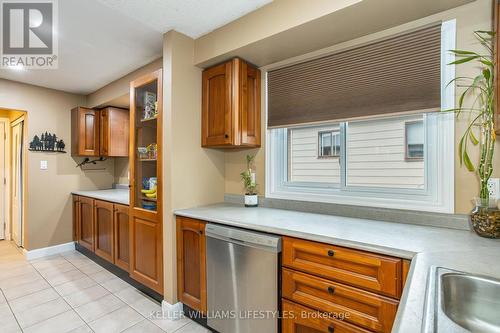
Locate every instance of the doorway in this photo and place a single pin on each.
(4, 125)
(13, 173)
(17, 180)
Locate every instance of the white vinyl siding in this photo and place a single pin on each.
(384, 164)
(375, 156)
(304, 163)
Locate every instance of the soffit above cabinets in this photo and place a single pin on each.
(278, 40)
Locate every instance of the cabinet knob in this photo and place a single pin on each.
(331, 253)
(331, 329)
(331, 290)
(201, 232)
(226, 136)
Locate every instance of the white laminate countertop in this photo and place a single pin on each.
(120, 196)
(426, 246)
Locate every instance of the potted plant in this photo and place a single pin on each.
(480, 132)
(248, 177)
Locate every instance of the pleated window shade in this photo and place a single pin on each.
(400, 74)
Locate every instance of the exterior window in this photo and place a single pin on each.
(414, 132)
(329, 144)
(399, 162)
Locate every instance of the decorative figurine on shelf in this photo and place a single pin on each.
(47, 142)
(150, 110)
(248, 177)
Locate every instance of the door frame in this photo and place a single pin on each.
(24, 170)
(6, 222)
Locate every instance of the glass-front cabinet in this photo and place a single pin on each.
(146, 180)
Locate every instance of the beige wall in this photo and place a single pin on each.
(470, 17)
(48, 220)
(192, 175)
(118, 90)
(122, 168)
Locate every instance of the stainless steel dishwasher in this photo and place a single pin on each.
(242, 280)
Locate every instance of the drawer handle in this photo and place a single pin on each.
(331, 329)
(331, 290)
(330, 253)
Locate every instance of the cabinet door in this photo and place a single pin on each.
(85, 132)
(146, 250)
(249, 105)
(86, 220)
(191, 263)
(217, 114)
(76, 216)
(300, 319)
(122, 236)
(103, 229)
(114, 132)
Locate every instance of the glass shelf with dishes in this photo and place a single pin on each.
(146, 131)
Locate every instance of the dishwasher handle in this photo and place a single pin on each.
(243, 237)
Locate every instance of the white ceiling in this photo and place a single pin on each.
(191, 17)
(102, 40)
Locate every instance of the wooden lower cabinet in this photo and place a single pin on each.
(301, 319)
(146, 249)
(121, 236)
(366, 270)
(85, 220)
(104, 231)
(191, 263)
(365, 309)
(103, 228)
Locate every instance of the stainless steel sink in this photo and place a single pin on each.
(472, 302)
(462, 302)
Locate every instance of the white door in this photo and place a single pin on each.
(17, 182)
(3, 157)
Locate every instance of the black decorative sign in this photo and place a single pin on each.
(47, 142)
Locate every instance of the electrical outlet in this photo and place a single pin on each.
(494, 188)
(44, 165)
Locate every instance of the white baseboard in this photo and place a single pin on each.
(172, 311)
(48, 251)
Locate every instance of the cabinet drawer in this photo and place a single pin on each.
(365, 270)
(300, 319)
(360, 307)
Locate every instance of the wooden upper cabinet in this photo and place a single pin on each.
(231, 105)
(99, 132)
(191, 263)
(84, 132)
(114, 132)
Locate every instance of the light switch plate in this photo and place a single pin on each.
(44, 165)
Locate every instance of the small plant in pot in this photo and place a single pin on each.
(480, 132)
(248, 177)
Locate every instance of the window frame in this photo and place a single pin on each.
(409, 158)
(438, 192)
(333, 133)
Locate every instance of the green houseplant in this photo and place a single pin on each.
(480, 131)
(248, 178)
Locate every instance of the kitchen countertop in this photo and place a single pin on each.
(425, 246)
(120, 196)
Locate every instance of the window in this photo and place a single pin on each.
(328, 144)
(383, 157)
(414, 132)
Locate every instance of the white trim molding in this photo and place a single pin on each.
(172, 311)
(48, 251)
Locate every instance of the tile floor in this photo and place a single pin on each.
(71, 293)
